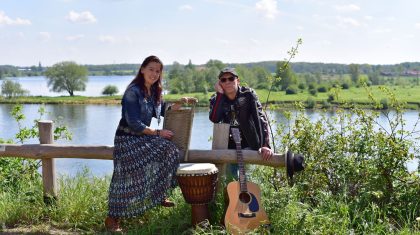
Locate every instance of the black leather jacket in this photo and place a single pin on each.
(252, 121)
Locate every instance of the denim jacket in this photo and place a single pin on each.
(138, 110)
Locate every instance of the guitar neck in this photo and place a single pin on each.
(241, 166)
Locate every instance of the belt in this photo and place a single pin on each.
(127, 130)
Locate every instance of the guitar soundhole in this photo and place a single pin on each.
(244, 197)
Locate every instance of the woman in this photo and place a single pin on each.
(145, 160)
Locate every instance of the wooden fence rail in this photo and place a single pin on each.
(47, 152)
(50, 151)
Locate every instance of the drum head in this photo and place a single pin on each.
(196, 169)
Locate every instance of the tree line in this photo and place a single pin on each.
(270, 66)
(293, 78)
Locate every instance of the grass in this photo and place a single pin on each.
(408, 94)
(81, 208)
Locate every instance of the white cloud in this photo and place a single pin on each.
(45, 36)
(223, 41)
(268, 8)
(127, 39)
(185, 8)
(81, 17)
(347, 21)
(417, 25)
(326, 42)
(107, 39)
(255, 41)
(384, 30)
(391, 18)
(5, 20)
(369, 17)
(347, 8)
(75, 37)
(300, 27)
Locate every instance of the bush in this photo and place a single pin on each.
(12, 89)
(322, 89)
(174, 90)
(312, 86)
(330, 97)
(355, 166)
(110, 90)
(326, 104)
(345, 86)
(310, 103)
(301, 86)
(313, 92)
(384, 103)
(291, 90)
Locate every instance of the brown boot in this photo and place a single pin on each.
(112, 224)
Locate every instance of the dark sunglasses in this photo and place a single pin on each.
(223, 80)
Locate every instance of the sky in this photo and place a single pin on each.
(237, 31)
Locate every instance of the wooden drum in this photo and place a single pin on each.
(198, 185)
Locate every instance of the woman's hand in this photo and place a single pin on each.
(167, 134)
(184, 100)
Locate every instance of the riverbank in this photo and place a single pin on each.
(324, 100)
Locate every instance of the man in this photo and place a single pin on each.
(239, 106)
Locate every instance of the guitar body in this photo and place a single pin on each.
(245, 212)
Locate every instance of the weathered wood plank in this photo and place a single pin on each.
(42, 151)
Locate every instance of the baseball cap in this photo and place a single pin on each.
(228, 70)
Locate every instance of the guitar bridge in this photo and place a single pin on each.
(246, 215)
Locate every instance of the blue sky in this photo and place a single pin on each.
(126, 31)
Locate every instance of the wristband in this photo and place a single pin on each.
(157, 132)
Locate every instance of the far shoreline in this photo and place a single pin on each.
(278, 102)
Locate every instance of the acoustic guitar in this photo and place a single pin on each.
(245, 212)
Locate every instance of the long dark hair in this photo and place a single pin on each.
(156, 88)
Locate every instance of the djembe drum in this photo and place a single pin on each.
(198, 185)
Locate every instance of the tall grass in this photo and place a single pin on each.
(81, 206)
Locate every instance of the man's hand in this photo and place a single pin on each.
(218, 87)
(266, 153)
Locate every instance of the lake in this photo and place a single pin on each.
(38, 86)
(96, 124)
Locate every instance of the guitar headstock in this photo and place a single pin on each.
(236, 135)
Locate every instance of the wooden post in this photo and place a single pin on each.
(220, 141)
(48, 164)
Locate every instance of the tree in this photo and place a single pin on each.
(286, 75)
(10, 89)
(354, 72)
(67, 76)
(110, 90)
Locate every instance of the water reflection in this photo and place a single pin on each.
(38, 86)
(96, 124)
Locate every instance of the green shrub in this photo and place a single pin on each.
(357, 165)
(110, 90)
(384, 103)
(322, 89)
(311, 86)
(345, 86)
(313, 92)
(330, 97)
(326, 104)
(310, 103)
(302, 86)
(291, 90)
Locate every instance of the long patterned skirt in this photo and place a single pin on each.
(144, 173)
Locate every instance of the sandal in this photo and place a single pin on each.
(112, 224)
(167, 203)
